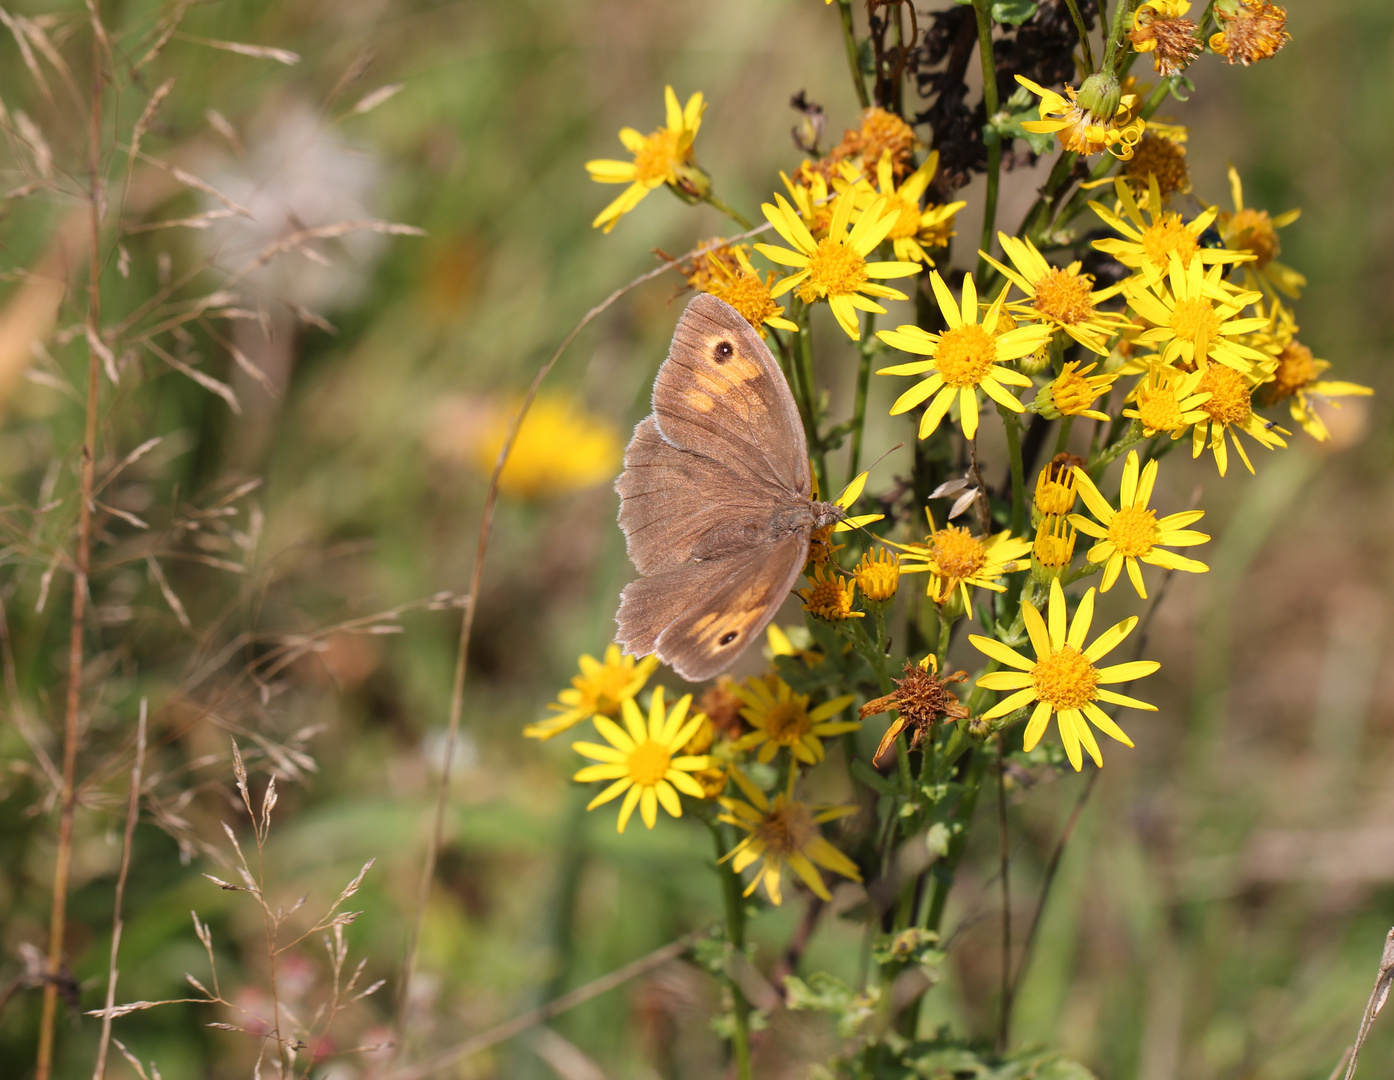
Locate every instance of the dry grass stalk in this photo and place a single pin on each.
(132, 812)
(1384, 982)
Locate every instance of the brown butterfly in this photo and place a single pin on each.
(715, 498)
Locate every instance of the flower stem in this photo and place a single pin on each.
(1083, 34)
(867, 346)
(735, 934)
(944, 870)
(716, 204)
(1115, 33)
(815, 441)
(1062, 440)
(1012, 423)
(991, 138)
(849, 41)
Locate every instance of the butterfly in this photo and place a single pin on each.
(715, 499)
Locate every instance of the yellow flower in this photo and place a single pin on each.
(1158, 28)
(1132, 533)
(1230, 406)
(1063, 679)
(1295, 380)
(965, 357)
(781, 718)
(1113, 124)
(878, 132)
(1055, 487)
(1254, 231)
(915, 229)
(1147, 246)
(1062, 299)
(646, 763)
(665, 157)
(559, 448)
(1162, 156)
(1250, 30)
(829, 596)
(809, 192)
(1053, 550)
(781, 644)
(744, 291)
(878, 574)
(600, 690)
(701, 270)
(956, 559)
(1166, 399)
(1194, 316)
(1072, 392)
(784, 833)
(835, 268)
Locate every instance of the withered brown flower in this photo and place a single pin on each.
(922, 698)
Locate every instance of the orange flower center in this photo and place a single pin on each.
(834, 269)
(787, 721)
(1065, 679)
(957, 553)
(1296, 368)
(1133, 530)
(786, 828)
(654, 161)
(1252, 230)
(747, 294)
(1195, 320)
(1159, 410)
(1163, 237)
(1163, 158)
(1064, 297)
(1230, 398)
(648, 763)
(964, 355)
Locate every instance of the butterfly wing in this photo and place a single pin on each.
(721, 394)
(699, 617)
(677, 506)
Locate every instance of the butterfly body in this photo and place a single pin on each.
(716, 497)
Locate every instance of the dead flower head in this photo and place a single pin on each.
(922, 698)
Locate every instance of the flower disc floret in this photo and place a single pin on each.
(1065, 679)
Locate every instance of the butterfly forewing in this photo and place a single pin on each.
(721, 394)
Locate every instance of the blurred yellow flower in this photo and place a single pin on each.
(1295, 379)
(835, 268)
(559, 448)
(664, 157)
(646, 763)
(1250, 30)
(1132, 533)
(781, 718)
(600, 690)
(1160, 155)
(1253, 231)
(784, 833)
(1063, 679)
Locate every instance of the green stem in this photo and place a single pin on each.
(868, 347)
(1040, 209)
(1083, 34)
(1062, 440)
(810, 410)
(735, 934)
(849, 41)
(716, 204)
(1012, 422)
(1115, 450)
(1115, 33)
(991, 137)
(945, 869)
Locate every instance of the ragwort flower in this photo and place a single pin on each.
(783, 832)
(646, 763)
(922, 699)
(1072, 392)
(1147, 245)
(1295, 379)
(600, 690)
(1167, 399)
(1063, 299)
(1246, 229)
(780, 718)
(743, 289)
(665, 157)
(1228, 411)
(916, 229)
(964, 358)
(955, 559)
(1194, 316)
(1162, 156)
(1132, 533)
(835, 268)
(829, 595)
(1159, 28)
(1096, 118)
(1064, 678)
(1250, 30)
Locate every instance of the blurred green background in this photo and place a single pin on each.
(1219, 912)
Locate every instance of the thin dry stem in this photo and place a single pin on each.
(132, 812)
(82, 560)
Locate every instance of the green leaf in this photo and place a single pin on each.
(873, 779)
(1008, 125)
(1014, 12)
